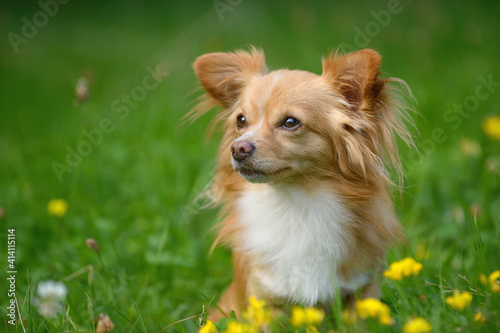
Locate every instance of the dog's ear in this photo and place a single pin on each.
(223, 75)
(355, 75)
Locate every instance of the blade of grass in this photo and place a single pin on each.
(130, 321)
(140, 318)
(90, 310)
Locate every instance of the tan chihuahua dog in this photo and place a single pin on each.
(302, 174)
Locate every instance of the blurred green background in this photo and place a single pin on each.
(134, 189)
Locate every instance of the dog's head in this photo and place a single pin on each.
(287, 125)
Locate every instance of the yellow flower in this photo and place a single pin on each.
(417, 325)
(257, 313)
(306, 317)
(493, 281)
(349, 316)
(209, 327)
(483, 279)
(459, 301)
(491, 126)
(403, 268)
(311, 329)
(314, 316)
(57, 207)
(298, 318)
(236, 327)
(480, 318)
(373, 308)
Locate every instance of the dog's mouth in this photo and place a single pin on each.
(255, 175)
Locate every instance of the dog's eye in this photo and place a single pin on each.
(291, 123)
(241, 121)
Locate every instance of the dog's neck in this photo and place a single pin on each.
(299, 240)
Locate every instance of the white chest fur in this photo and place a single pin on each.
(300, 239)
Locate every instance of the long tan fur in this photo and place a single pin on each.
(355, 152)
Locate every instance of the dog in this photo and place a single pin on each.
(303, 174)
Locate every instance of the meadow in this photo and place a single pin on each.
(92, 101)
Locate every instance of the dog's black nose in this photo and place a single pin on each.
(241, 150)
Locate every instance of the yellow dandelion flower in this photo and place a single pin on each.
(403, 268)
(257, 313)
(494, 281)
(314, 316)
(256, 304)
(385, 319)
(57, 207)
(311, 329)
(236, 327)
(298, 318)
(459, 301)
(479, 317)
(417, 325)
(374, 308)
(491, 127)
(349, 316)
(209, 327)
(306, 316)
(368, 307)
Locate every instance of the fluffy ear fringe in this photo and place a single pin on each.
(379, 110)
(224, 76)
(355, 75)
(371, 152)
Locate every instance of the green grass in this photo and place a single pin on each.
(135, 191)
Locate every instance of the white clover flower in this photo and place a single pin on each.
(50, 294)
(52, 289)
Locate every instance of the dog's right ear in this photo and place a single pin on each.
(223, 75)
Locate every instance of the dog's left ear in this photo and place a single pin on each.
(224, 75)
(355, 75)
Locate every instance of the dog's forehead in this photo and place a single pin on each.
(281, 87)
(286, 81)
